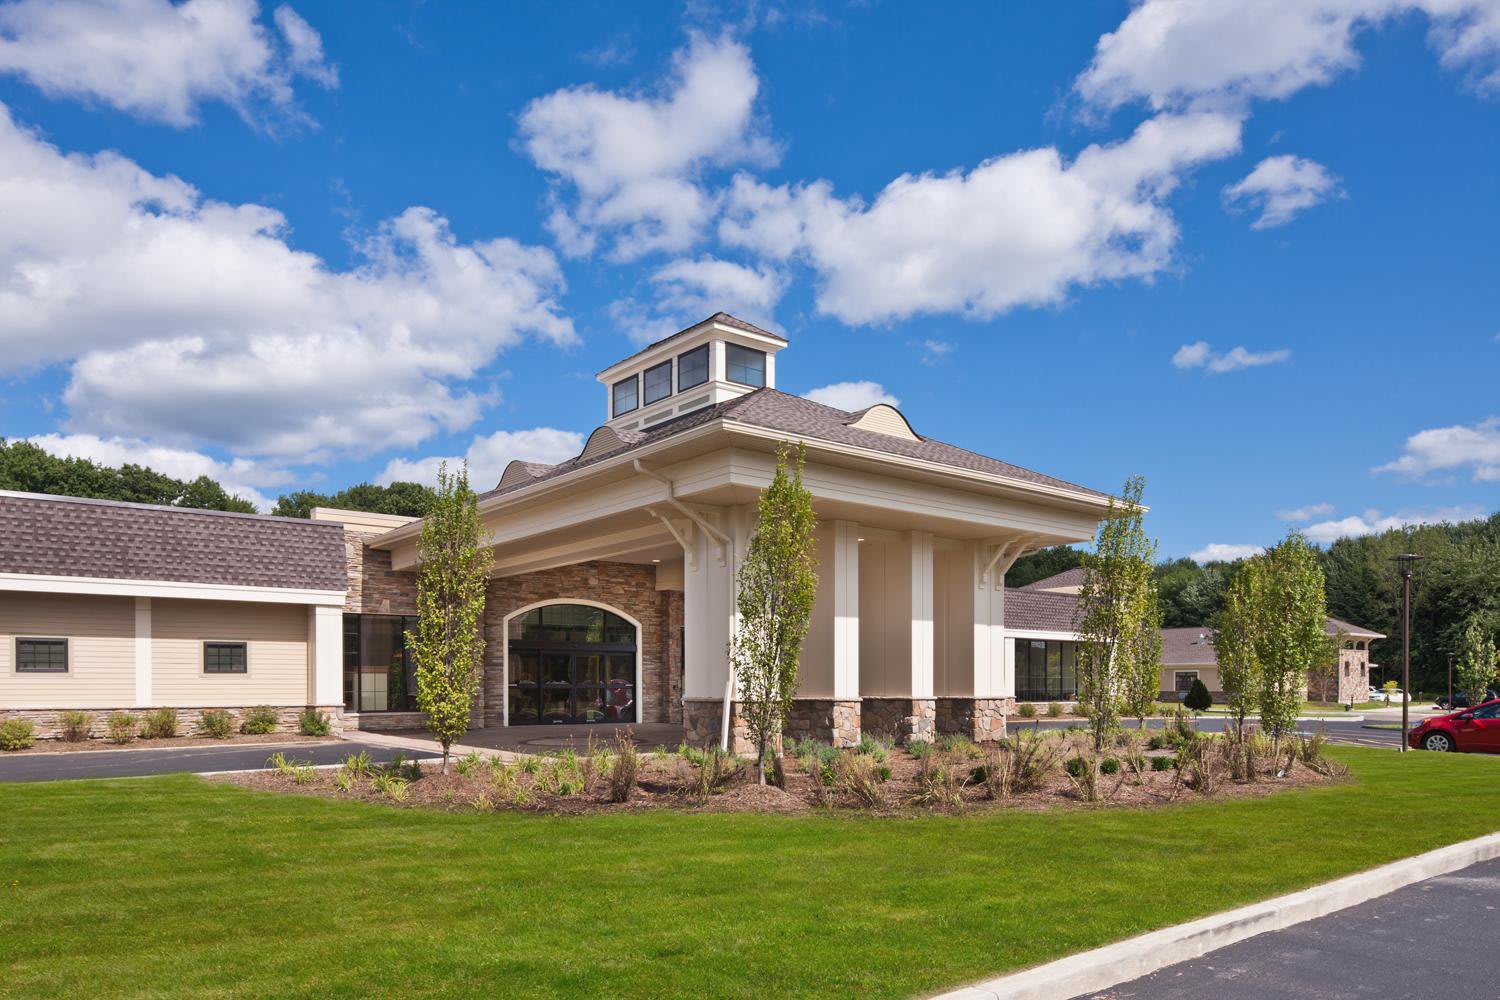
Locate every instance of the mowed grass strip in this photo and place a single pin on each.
(180, 887)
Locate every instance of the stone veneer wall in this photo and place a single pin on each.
(821, 719)
(900, 719)
(980, 719)
(1354, 674)
(627, 586)
(375, 588)
(671, 692)
(46, 723)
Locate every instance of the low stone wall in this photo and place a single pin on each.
(701, 725)
(825, 719)
(980, 719)
(900, 719)
(46, 723)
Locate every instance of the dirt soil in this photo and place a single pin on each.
(239, 739)
(565, 784)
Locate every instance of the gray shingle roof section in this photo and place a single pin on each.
(778, 411)
(1181, 647)
(70, 536)
(1336, 626)
(1039, 611)
(718, 317)
(1067, 578)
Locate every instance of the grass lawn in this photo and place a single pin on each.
(176, 886)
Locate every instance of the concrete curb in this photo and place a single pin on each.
(226, 745)
(1090, 971)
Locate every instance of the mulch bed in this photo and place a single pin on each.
(668, 781)
(63, 746)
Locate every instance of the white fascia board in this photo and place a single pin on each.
(99, 586)
(1034, 633)
(673, 346)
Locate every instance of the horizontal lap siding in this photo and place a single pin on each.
(277, 652)
(101, 650)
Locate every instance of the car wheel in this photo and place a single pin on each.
(1440, 742)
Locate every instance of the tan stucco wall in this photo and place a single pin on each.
(101, 650)
(1207, 673)
(276, 635)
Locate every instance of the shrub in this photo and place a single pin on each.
(259, 721)
(160, 724)
(313, 722)
(468, 764)
(76, 726)
(919, 749)
(121, 726)
(717, 768)
(1157, 742)
(15, 734)
(874, 747)
(1109, 765)
(358, 764)
(217, 723)
(1198, 698)
(860, 776)
(1162, 763)
(961, 746)
(1075, 766)
(1054, 710)
(622, 774)
(343, 781)
(392, 787)
(1026, 710)
(941, 784)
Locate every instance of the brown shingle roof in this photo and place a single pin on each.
(779, 411)
(1067, 578)
(1336, 626)
(718, 317)
(102, 539)
(1039, 611)
(1187, 646)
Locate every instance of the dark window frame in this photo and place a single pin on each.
(729, 364)
(682, 383)
(614, 396)
(646, 398)
(236, 665)
(51, 642)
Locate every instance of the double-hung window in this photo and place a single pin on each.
(41, 656)
(225, 658)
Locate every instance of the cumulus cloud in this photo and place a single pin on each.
(1372, 522)
(1201, 355)
(240, 477)
(1021, 229)
(1279, 187)
(161, 60)
(194, 321)
(1307, 513)
(1172, 53)
(629, 167)
(1474, 448)
(688, 290)
(1222, 552)
(851, 396)
(488, 455)
(935, 351)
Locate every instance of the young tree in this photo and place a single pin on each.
(1234, 644)
(777, 583)
(1474, 670)
(1142, 663)
(449, 638)
(1290, 615)
(1198, 699)
(1112, 609)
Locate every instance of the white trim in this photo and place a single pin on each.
(143, 653)
(640, 645)
(109, 587)
(1029, 633)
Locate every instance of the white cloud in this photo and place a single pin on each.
(488, 456)
(1176, 52)
(1305, 513)
(934, 351)
(1222, 552)
(1373, 522)
(1200, 355)
(1021, 229)
(161, 60)
(1475, 448)
(240, 477)
(193, 321)
(687, 291)
(1279, 187)
(851, 396)
(634, 161)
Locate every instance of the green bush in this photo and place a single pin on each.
(1054, 710)
(874, 747)
(1157, 742)
(216, 722)
(76, 726)
(160, 724)
(1026, 711)
(1162, 763)
(121, 726)
(259, 721)
(1109, 765)
(1198, 698)
(1076, 766)
(312, 722)
(15, 734)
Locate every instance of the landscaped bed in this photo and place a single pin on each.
(1029, 770)
(176, 886)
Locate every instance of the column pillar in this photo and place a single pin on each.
(919, 720)
(325, 655)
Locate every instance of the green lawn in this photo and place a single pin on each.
(175, 886)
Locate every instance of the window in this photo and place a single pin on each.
(41, 656)
(744, 366)
(625, 396)
(1185, 679)
(225, 658)
(571, 663)
(380, 674)
(658, 383)
(692, 368)
(1046, 671)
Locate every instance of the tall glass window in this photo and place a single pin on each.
(658, 383)
(692, 368)
(1046, 670)
(745, 366)
(571, 663)
(379, 674)
(626, 396)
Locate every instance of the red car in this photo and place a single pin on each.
(1473, 730)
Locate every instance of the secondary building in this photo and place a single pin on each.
(612, 595)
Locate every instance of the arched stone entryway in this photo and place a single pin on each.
(571, 661)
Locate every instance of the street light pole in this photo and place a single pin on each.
(1404, 562)
(1450, 682)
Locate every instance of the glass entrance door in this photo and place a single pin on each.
(569, 664)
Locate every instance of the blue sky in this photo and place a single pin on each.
(1251, 256)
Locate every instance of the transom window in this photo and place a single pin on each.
(626, 396)
(42, 656)
(225, 658)
(657, 383)
(745, 366)
(692, 368)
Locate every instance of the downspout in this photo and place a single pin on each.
(726, 547)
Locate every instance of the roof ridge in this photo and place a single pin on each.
(99, 501)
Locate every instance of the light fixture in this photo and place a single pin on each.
(859, 539)
(656, 560)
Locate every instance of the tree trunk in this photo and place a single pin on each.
(445, 758)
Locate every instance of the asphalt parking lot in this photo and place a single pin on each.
(169, 760)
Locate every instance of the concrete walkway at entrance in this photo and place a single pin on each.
(505, 741)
